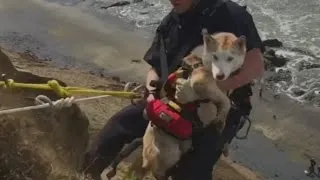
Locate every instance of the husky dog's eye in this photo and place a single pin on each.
(215, 57)
(230, 59)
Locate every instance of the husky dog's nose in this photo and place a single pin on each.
(220, 76)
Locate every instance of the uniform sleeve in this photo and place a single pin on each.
(152, 55)
(250, 31)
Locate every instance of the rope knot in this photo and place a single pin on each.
(59, 104)
(57, 88)
(8, 83)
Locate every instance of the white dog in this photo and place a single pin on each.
(221, 55)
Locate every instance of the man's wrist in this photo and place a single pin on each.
(152, 92)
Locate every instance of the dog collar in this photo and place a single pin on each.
(189, 68)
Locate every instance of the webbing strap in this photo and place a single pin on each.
(163, 59)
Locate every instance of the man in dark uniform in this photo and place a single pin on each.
(181, 32)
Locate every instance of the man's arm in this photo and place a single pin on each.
(253, 67)
(152, 57)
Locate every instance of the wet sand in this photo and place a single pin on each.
(276, 148)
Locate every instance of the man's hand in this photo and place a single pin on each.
(184, 92)
(151, 76)
(150, 97)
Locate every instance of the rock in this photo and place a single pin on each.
(6, 66)
(144, 11)
(272, 43)
(117, 4)
(282, 75)
(115, 78)
(303, 65)
(302, 51)
(276, 96)
(20, 76)
(310, 97)
(137, 1)
(136, 60)
(273, 59)
(41, 144)
(146, 4)
(297, 92)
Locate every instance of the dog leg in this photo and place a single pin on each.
(137, 170)
(223, 106)
(149, 150)
(163, 165)
(169, 155)
(207, 88)
(160, 177)
(123, 154)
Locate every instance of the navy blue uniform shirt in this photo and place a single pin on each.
(184, 32)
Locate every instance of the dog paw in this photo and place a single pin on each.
(181, 97)
(184, 92)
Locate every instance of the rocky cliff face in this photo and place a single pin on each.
(39, 144)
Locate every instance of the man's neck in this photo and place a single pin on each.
(199, 6)
(196, 10)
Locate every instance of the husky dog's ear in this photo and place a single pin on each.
(191, 59)
(240, 43)
(209, 43)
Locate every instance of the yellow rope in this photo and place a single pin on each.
(67, 91)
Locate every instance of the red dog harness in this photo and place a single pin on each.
(163, 114)
(169, 115)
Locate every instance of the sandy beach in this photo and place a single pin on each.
(283, 135)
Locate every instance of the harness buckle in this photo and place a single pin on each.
(242, 122)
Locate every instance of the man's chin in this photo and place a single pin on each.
(179, 10)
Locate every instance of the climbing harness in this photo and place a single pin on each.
(174, 118)
(243, 120)
(241, 123)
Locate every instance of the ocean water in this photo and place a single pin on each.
(295, 23)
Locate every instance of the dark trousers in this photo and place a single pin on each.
(129, 124)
